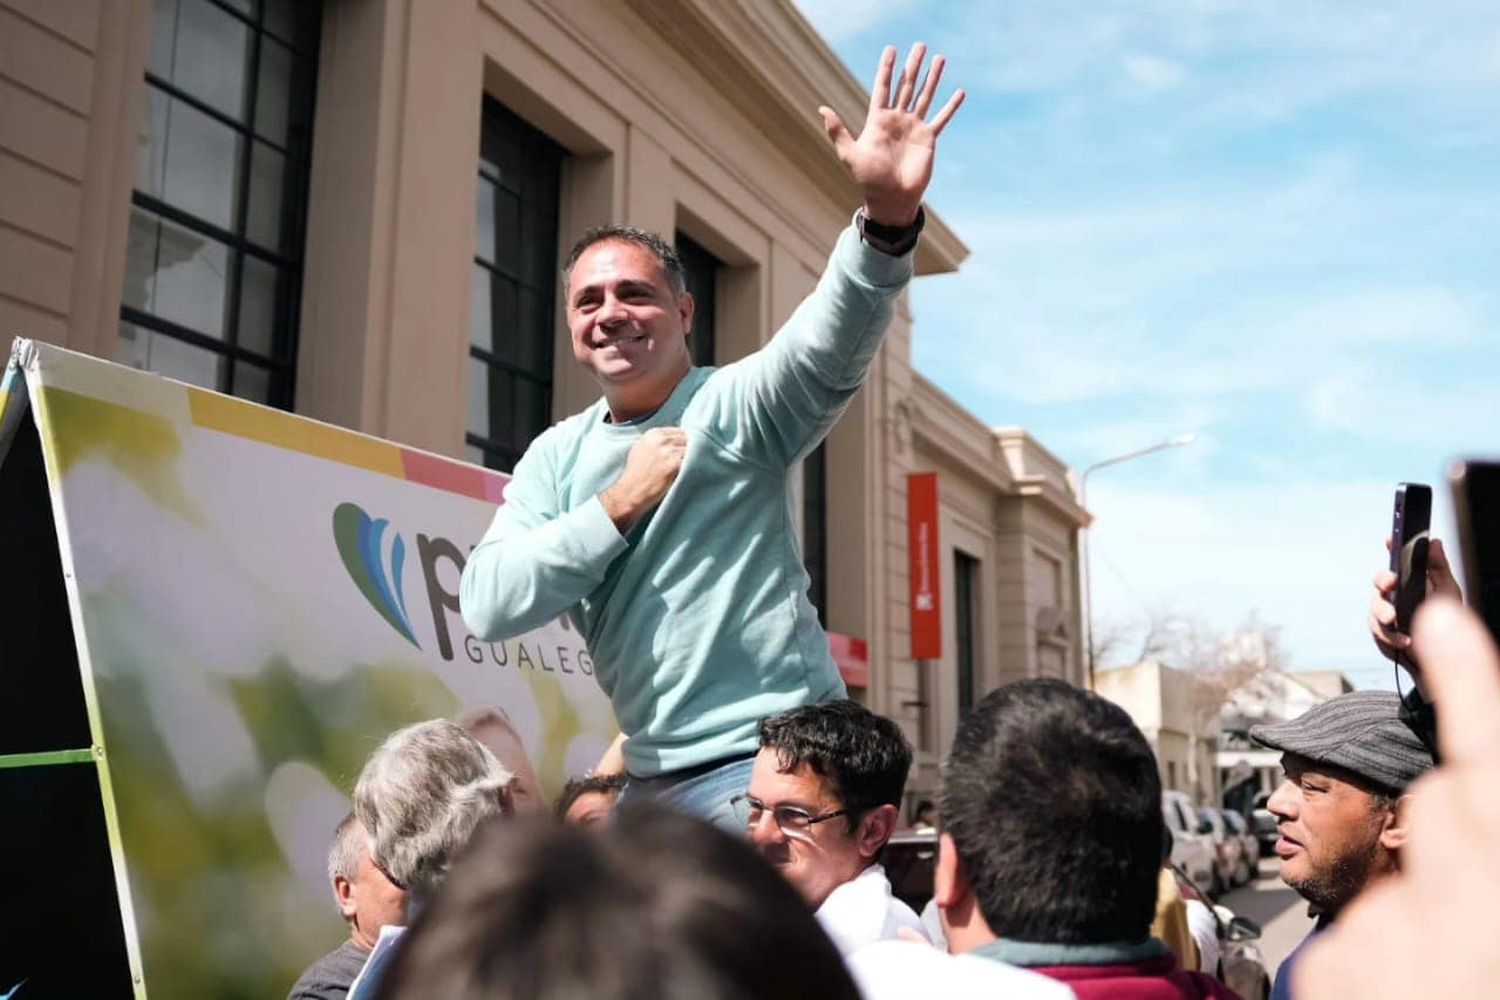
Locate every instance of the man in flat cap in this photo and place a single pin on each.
(1340, 812)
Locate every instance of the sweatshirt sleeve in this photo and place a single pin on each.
(775, 405)
(536, 561)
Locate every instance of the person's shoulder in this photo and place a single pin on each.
(906, 969)
(330, 977)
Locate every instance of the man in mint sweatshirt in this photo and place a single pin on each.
(659, 518)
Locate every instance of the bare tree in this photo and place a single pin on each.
(1222, 664)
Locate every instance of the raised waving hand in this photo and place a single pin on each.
(891, 158)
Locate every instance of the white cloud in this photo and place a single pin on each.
(840, 20)
(1152, 73)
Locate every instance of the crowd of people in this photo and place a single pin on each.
(730, 845)
(1048, 878)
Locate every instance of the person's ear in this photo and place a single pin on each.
(950, 883)
(343, 895)
(874, 829)
(685, 310)
(1395, 828)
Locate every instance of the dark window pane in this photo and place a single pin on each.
(533, 334)
(267, 184)
(293, 21)
(163, 34)
(514, 297)
(484, 221)
(479, 309)
(701, 273)
(966, 614)
(201, 161)
(530, 413)
(210, 57)
(140, 261)
(273, 91)
(187, 274)
(258, 288)
(166, 355)
(508, 239)
(151, 143)
(252, 382)
(479, 398)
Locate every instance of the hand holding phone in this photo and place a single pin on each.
(1411, 521)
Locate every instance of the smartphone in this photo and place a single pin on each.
(1410, 523)
(1476, 502)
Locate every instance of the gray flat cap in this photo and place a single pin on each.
(1361, 732)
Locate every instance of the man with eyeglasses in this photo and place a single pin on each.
(824, 797)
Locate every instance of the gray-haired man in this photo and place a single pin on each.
(1339, 812)
(368, 901)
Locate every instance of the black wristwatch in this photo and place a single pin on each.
(893, 240)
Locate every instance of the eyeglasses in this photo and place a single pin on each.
(794, 821)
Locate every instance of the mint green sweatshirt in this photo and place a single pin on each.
(698, 621)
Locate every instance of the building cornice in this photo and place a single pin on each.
(768, 60)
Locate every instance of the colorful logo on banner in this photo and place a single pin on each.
(923, 567)
(361, 543)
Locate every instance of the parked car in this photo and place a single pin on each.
(1192, 846)
(1250, 855)
(1263, 825)
(1227, 850)
(910, 859)
(1241, 967)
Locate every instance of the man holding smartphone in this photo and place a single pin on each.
(1396, 645)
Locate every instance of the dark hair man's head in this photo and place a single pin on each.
(1347, 764)
(825, 793)
(589, 800)
(629, 316)
(658, 905)
(1052, 821)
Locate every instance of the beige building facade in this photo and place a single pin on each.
(357, 209)
(1161, 701)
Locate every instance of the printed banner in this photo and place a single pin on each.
(923, 569)
(258, 599)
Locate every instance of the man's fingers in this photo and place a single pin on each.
(944, 116)
(929, 87)
(880, 94)
(1382, 611)
(838, 132)
(1463, 675)
(1384, 580)
(908, 88)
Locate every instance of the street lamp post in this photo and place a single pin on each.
(1083, 501)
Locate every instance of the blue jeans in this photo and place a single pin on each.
(704, 794)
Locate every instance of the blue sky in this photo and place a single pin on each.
(1275, 224)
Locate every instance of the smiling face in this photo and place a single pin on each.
(628, 326)
(1335, 835)
(825, 855)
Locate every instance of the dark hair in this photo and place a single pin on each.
(1052, 797)
(864, 756)
(576, 788)
(658, 905)
(665, 253)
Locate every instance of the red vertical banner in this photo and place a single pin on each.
(923, 567)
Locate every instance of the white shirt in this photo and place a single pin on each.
(1204, 927)
(905, 970)
(862, 911)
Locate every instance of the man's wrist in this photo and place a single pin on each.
(618, 506)
(895, 240)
